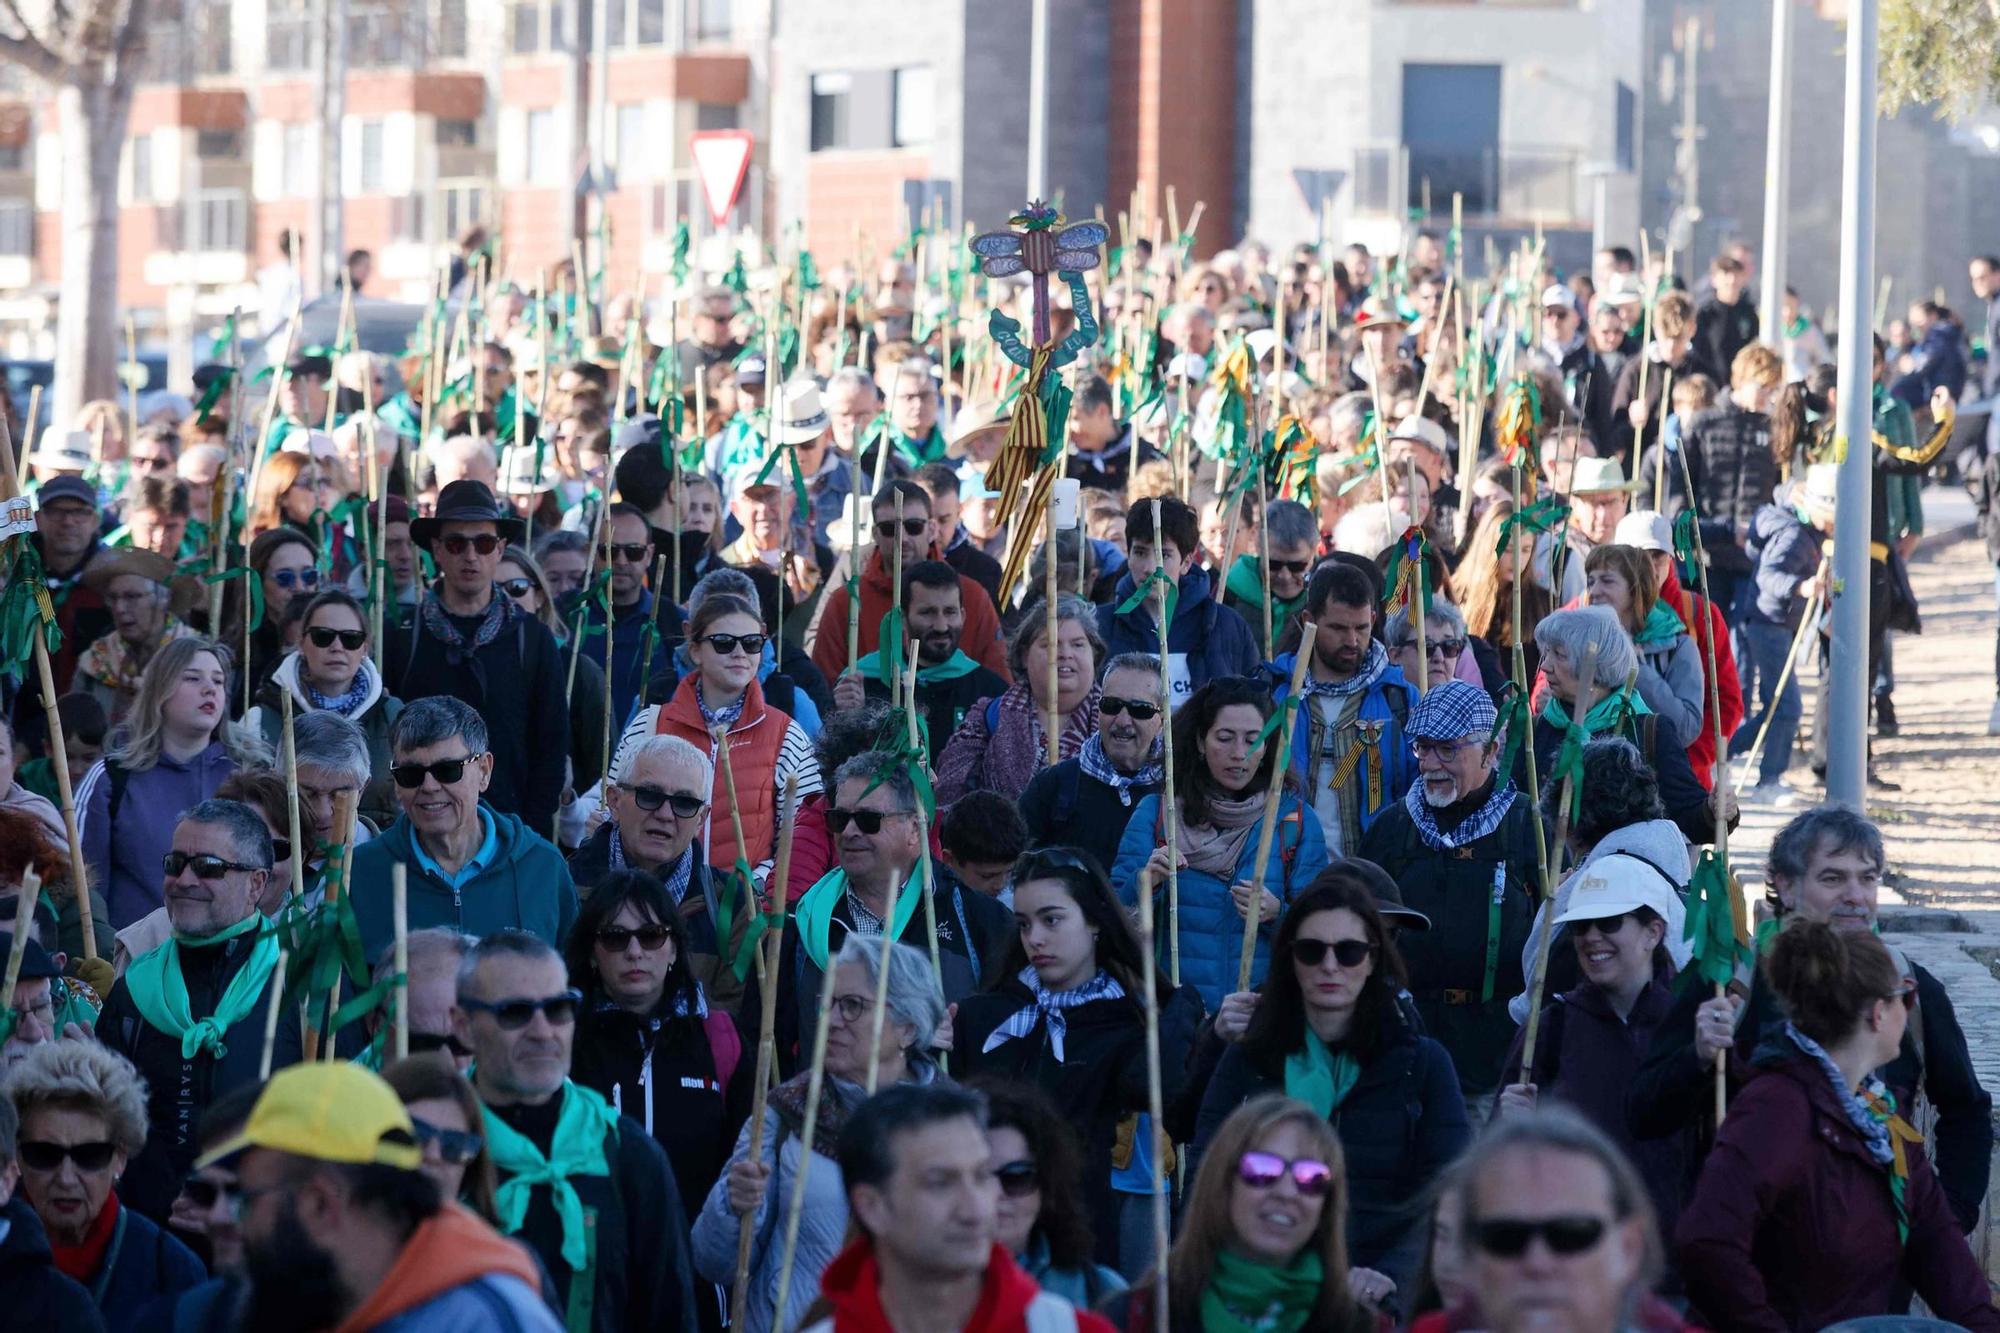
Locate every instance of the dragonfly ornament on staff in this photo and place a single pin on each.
(1038, 245)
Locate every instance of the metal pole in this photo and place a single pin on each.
(1847, 667)
(1038, 100)
(1777, 173)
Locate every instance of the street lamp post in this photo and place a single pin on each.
(1777, 173)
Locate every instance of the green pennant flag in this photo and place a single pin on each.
(1712, 924)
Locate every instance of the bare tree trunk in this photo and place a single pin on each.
(93, 113)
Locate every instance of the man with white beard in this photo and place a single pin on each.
(1461, 845)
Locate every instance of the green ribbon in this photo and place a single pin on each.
(1549, 514)
(1687, 547)
(583, 1126)
(894, 745)
(1711, 925)
(1406, 566)
(1171, 595)
(213, 393)
(1512, 722)
(25, 609)
(160, 992)
(740, 887)
(791, 456)
(253, 581)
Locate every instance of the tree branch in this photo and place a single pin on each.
(128, 37)
(28, 51)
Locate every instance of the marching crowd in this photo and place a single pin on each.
(1291, 863)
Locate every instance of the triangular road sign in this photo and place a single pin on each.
(721, 159)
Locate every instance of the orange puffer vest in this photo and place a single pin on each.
(754, 742)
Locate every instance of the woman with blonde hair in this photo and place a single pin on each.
(1263, 1239)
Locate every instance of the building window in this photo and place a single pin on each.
(649, 22)
(287, 37)
(373, 173)
(458, 134)
(915, 106)
(140, 151)
(630, 155)
(540, 166)
(1627, 119)
(301, 162)
(13, 157)
(832, 105)
(536, 26)
(17, 227)
(710, 19)
(716, 115)
(464, 205)
(218, 145)
(220, 218)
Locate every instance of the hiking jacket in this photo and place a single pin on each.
(1009, 1300)
(142, 1263)
(1785, 550)
(1720, 332)
(33, 1291)
(826, 639)
(1065, 807)
(1379, 779)
(377, 713)
(1206, 639)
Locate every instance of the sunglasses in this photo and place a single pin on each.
(650, 799)
(631, 553)
(1290, 566)
(296, 578)
(425, 1043)
(1445, 648)
(651, 938)
(868, 821)
(886, 527)
(447, 771)
(513, 1015)
(1262, 1170)
(726, 644)
(454, 543)
(520, 587)
(350, 639)
(1603, 925)
(206, 866)
(1348, 953)
(1111, 706)
(455, 1146)
(1906, 992)
(41, 1155)
(1018, 1179)
(203, 1193)
(1509, 1238)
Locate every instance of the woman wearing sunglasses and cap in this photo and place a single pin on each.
(1260, 1245)
(331, 669)
(1328, 1031)
(1063, 1012)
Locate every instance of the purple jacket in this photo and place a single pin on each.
(1792, 1225)
(124, 852)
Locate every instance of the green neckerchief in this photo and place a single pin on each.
(1244, 1296)
(958, 664)
(577, 1149)
(1661, 625)
(915, 453)
(160, 992)
(815, 909)
(1318, 1077)
(1246, 584)
(1605, 717)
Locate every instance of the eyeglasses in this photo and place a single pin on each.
(651, 938)
(350, 639)
(41, 1155)
(868, 821)
(43, 1011)
(424, 1043)
(851, 1007)
(1445, 648)
(513, 1015)
(206, 866)
(1348, 953)
(1290, 566)
(240, 1199)
(1018, 1179)
(455, 1146)
(650, 799)
(520, 587)
(727, 644)
(454, 543)
(203, 1193)
(886, 527)
(1262, 1170)
(1442, 751)
(447, 771)
(1509, 1238)
(631, 553)
(1111, 706)
(296, 578)
(1906, 992)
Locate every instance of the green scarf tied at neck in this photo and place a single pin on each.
(1244, 1296)
(815, 909)
(160, 992)
(1320, 1078)
(1662, 624)
(1607, 717)
(582, 1129)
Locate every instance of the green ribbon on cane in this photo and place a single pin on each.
(1548, 514)
(25, 609)
(253, 581)
(1711, 928)
(1569, 764)
(1512, 722)
(1687, 548)
(1171, 596)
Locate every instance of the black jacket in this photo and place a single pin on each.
(1656, 404)
(1112, 472)
(975, 564)
(1063, 808)
(1590, 385)
(179, 1090)
(33, 1293)
(1100, 1080)
(1401, 1124)
(519, 684)
(1687, 802)
(1672, 1090)
(944, 702)
(1720, 332)
(644, 1277)
(1449, 963)
(1729, 457)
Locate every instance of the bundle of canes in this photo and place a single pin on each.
(767, 980)
(1281, 719)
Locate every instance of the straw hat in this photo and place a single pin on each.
(800, 415)
(1597, 476)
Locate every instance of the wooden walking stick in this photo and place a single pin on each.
(399, 998)
(1155, 1103)
(295, 825)
(1169, 812)
(646, 648)
(1049, 596)
(1273, 795)
(882, 969)
(271, 1015)
(768, 947)
(1414, 609)
(319, 1040)
(24, 921)
(815, 1085)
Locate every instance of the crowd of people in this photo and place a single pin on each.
(1267, 910)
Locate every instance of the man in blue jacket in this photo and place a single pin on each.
(468, 865)
(1205, 639)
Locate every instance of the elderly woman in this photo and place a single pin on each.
(1671, 678)
(1000, 745)
(83, 1117)
(1450, 652)
(1615, 708)
(758, 1192)
(137, 589)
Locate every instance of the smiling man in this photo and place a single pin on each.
(1087, 800)
(949, 683)
(468, 865)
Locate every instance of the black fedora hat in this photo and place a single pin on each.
(467, 501)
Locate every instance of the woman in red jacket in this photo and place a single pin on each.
(1817, 1203)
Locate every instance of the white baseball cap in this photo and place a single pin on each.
(1615, 884)
(1646, 529)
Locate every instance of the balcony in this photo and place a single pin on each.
(1522, 184)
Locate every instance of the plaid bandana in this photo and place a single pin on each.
(1372, 667)
(1475, 825)
(1049, 1005)
(723, 717)
(1097, 765)
(676, 879)
(343, 704)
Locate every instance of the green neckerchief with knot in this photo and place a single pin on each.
(583, 1127)
(160, 992)
(1249, 1296)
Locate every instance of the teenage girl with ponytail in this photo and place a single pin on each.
(1801, 423)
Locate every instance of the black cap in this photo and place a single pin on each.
(1388, 894)
(312, 363)
(35, 960)
(467, 501)
(66, 486)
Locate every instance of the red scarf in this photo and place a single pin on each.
(82, 1260)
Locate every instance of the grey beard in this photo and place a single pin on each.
(1435, 801)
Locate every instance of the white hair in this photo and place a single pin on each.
(1365, 530)
(669, 748)
(464, 456)
(914, 997)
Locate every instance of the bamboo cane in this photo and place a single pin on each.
(1169, 812)
(815, 1084)
(319, 1040)
(923, 819)
(610, 641)
(768, 954)
(1155, 1102)
(24, 920)
(342, 323)
(1273, 795)
(1584, 689)
(399, 904)
(1049, 595)
(1381, 440)
(1660, 454)
(28, 428)
(720, 738)
(271, 1015)
(133, 376)
(881, 1010)
(1413, 602)
(298, 886)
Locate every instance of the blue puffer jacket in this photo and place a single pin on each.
(1215, 640)
(1388, 701)
(1211, 932)
(142, 1264)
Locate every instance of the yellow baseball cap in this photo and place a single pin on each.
(330, 1111)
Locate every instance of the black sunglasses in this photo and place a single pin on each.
(1603, 925)
(650, 799)
(454, 543)
(206, 866)
(868, 821)
(520, 587)
(725, 644)
(886, 527)
(1289, 566)
(1018, 1179)
(424, 1043)
(1509, 1238)
(41, 1155)
(447, 771)
(513, 1015)
(632, 553)
(1348, 953)
(651, 938)
(203, 1193)
(1111, 706)
(350, 639)
(455, 1146)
